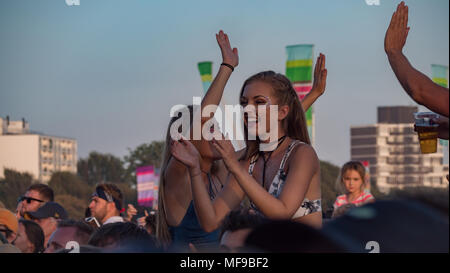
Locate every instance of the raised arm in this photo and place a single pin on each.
(319, 84)
(418, 86)
(210, 213)
(229, 56)
(305, 164)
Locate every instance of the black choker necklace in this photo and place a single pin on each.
(280, 141)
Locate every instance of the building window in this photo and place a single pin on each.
(363, 131)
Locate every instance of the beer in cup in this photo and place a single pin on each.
(428, 132)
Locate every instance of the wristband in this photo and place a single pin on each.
(228, 65)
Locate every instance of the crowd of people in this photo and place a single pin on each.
(215, 199)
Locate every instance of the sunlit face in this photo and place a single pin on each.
(98, 208)
(256, 94)
(260, 94)
(353, 181)
(33, 205)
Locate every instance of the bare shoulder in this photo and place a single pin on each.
(302, 153)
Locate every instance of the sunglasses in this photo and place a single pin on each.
(28, 199)
(92, 221)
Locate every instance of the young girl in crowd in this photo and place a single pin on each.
(177, 219)
(353, 180)
(283, 183)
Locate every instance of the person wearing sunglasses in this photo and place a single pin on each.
(106, 204)
(35, 197)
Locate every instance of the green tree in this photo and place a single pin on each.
(329, 174)
(66, 183)
(75, 207)
(12, 186)
(98, 168)
(143, 155)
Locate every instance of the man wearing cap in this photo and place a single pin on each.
(47, 217)
(106, 204)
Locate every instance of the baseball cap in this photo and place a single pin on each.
(8, 219)
(50, 209)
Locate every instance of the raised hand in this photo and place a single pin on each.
(397, 31)
(186, 153)
(229, 55)
(131, 211)
(320, 75)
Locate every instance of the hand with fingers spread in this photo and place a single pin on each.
(397, 31)
(229, 55)
(186, 153)
(226, 150)
(320, 76)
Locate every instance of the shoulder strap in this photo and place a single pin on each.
(252, 164)
(288, 152)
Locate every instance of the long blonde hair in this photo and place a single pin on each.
(294, 124)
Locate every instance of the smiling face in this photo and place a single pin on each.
(257, 95)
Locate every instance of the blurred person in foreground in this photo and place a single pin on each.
(30, 237)
(67, 231)
(124, 237)
(418, 86)
(47, 218)
(236, 227)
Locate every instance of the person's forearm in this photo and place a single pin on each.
(309, 99)
(202, 203)
(270, 206)
(215, 91)
(412, 80)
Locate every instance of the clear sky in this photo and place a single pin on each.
(107, 72)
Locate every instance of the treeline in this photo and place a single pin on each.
(73, 191)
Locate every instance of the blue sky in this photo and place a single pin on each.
(107, 72)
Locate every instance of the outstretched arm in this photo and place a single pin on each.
(229, 56)
(418, 86)
(319, 84)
